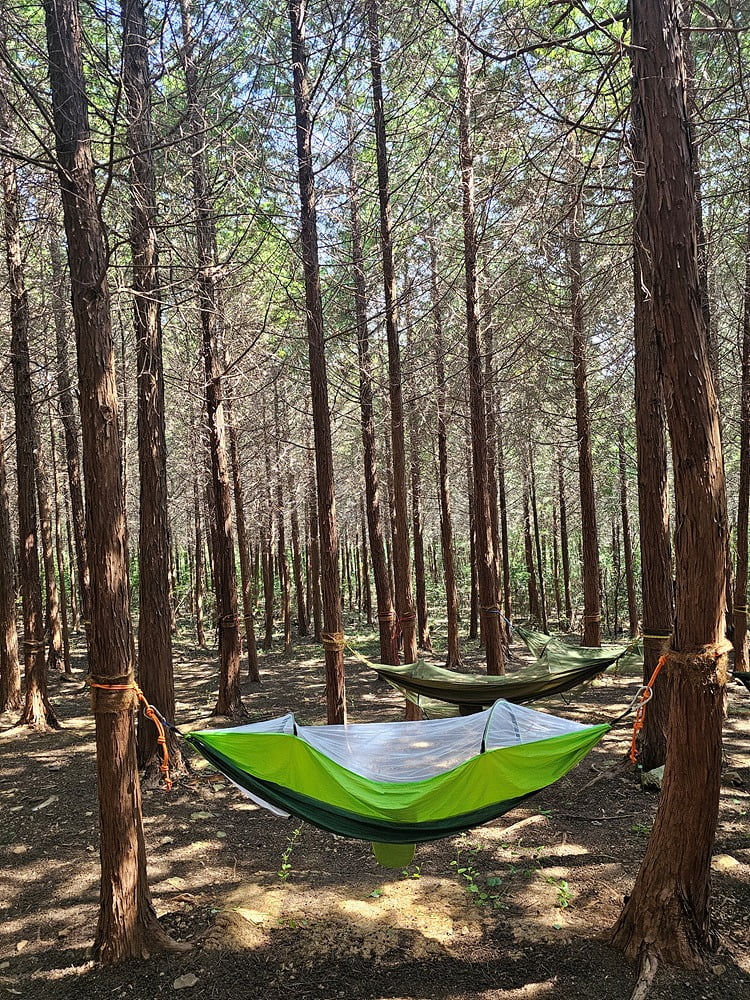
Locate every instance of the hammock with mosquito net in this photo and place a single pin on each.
(397, 784)
(429, 686)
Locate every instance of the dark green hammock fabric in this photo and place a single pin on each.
(427, 685)
(399, 783)
(560, 655)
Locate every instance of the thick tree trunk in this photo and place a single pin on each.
(332, 636)
(405, 610)
(743, 493)
(127, 926)
(155, 673)
(653, 486)
(591, 599)
(229, 701)
(668, 913)
(11, 697)
(492, 632)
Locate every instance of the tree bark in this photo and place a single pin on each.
(591, 599)
(537, 542)
(229, 701)
(127, 926)
(626, 540)
(669, 912)
(332, 636)
(11, 697)
(53, 622)
(743, 493)
(70, 428)
(453, 651)
(492, 633)
(59, 551)
(155, 671)
(37, 711)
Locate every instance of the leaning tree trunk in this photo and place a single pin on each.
(127, 926)
(668, 914)
(229, 701)
(332, 637)
(155, 672)
(405, 611)
(491, 623)
(37, 711)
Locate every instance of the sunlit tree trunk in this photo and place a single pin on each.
(127, 926)
(332, 635)
(11, 697)
(155, 672)
(668, 914)
(492, 631)
(405, 609)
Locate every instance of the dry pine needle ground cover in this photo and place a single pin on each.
(274, 908)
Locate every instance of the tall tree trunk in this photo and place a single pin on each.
(591, 599)
(626, 540)
(37, 711)
(564, 547)
(653, 484)
(492, 632)
(70, 427)
(11, 697)
(59, 551)
(282, 557)
(229, 701)
(200, 556)
(55, 653)
(453, 651)
(556, 565)
(537, 542)
(332, 636)
(267, 542)
(502, 503)
(366, 590)
(155, 672)
(314, 567)
(405, 610)
(743, 493)
(127, 926)
(243, 544)
(299, 587)
(535, 611)
(668, 913)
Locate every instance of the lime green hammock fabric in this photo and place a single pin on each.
(399, 783)
(554, 672)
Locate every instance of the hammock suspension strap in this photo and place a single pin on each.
(645, 693)
(124, 703)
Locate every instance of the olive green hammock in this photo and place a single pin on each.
(429, 686)
(559, 655)
(397, 784)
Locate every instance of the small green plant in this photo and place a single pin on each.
(640, 828)
(412, 871)
(564, 895)
(286, 857)
(481, 892)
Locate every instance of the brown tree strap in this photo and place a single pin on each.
(333, 641)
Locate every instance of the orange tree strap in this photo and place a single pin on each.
(647, 693)
(151, 713)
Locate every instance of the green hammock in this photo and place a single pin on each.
(399, 783)
(560, 655)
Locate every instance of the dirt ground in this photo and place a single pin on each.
(515, 909)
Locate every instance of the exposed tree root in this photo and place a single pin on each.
(646, 973)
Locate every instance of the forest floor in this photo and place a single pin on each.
(519, 908)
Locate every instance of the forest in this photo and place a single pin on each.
(349, 348)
